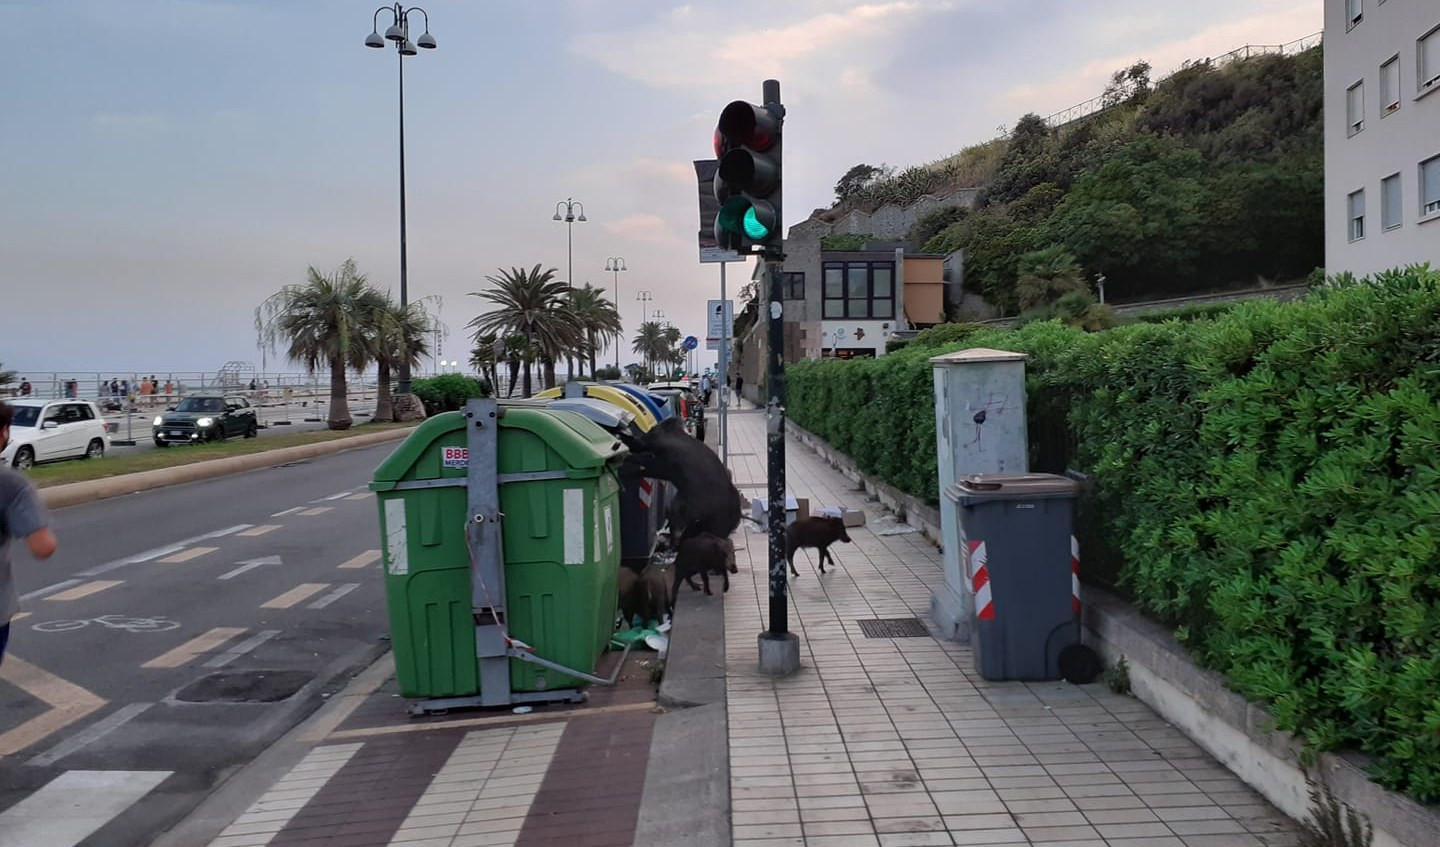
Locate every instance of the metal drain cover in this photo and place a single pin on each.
(894, 628)
(244, 687)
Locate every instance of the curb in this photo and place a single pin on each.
(686, 798)
(76, 493)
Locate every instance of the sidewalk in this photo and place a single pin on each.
(875, 742)
(896, 741)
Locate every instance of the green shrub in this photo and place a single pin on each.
(609, 372)
(948, 333)
(447, 392)
(850, 241)
(1267, 481)
(1199, 311)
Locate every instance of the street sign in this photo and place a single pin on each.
(710, 250)
(719, 315)
(690, 342)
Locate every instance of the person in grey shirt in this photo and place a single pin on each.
(22, 515)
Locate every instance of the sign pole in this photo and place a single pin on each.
(724, 375)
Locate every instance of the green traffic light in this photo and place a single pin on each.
(753, 227)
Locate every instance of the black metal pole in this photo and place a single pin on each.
(775, 453)
(404, 386)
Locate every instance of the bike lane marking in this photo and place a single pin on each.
(90, 734)
(334, 595)
(200, 644)
(85, 590)
(157, 552)
(68, 703)
(318, 510)
(362, 560)
(262, 529)
(187, 555)
(295, 595)
(242, 648)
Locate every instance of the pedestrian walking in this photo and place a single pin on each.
(739, 390)
(22, 515)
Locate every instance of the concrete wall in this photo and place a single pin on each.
(1391, 142)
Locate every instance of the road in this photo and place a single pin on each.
(274, 420)
(269, 578)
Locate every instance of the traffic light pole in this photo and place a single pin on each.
(779, 647)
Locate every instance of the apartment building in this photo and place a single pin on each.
(1382, 134)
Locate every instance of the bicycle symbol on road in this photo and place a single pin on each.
(124, 622)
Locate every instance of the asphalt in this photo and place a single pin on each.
(308, 643)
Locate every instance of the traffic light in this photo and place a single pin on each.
(748, 182)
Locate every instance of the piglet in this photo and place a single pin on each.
(818, 532)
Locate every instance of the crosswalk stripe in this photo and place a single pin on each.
(203, 643)
(287, 797)
(334, 595)
(187, 555)
(295, 595)
(242, 648)
(289, 511)
(318, 510)
(73, 805)
(259, 530)
(68, 703)
(362, 560)
(85, 589)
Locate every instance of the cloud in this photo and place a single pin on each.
(682, 50)
(642, 227)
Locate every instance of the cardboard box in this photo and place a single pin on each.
(851, 517)
(795, 508)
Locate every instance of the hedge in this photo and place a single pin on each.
(447, 392)
(1267, 481)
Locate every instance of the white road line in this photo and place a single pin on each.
(73, 805)
(240, 570)
(49, 589)
(162, 551)
(342, 495)
(277, 806)
(334, 595)
(287, 512)
(240, 649)
(90, 734)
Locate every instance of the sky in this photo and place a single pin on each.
(172, 163)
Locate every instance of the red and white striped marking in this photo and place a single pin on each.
(1075, 573)
(647, 488)
(980, 580)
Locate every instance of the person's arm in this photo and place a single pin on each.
(42, 543)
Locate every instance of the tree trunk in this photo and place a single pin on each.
(593, 372)
(339, 417)
(384, 405)
(527, 383)
(514, 365)
(549, 372)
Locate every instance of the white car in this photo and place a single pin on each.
(48, 430)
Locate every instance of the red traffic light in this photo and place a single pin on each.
(745, 125)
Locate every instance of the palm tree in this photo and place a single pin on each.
(394, 334)
(322, 323)
(598, 318)
(532, 304)
(672, 355)
(649, 343)
(6, 377)
(484, 361)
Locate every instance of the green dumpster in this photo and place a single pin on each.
(559, 498)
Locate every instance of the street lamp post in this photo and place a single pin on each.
(399, 32)
(616, 264)
(644, 298)
(570, 204)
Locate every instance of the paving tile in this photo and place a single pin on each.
(987, 837)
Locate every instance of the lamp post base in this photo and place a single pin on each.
(952, 613)
(779, 654)
(408, 408)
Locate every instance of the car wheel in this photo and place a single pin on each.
(218, 433)
(252, 430)
(96, 450)
(24, 458)
(161, 444)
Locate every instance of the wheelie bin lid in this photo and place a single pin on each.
(982, 488)
(611, 393)
(607, 415)
(646, 399)
(584, 447)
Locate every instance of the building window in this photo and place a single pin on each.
(1354, 13)
(1430, 186)
(859, 290)
(793, 285)
(1355, 108)
(1357, 215)
(1391, 210)
(1390, 86)
(1428, 55)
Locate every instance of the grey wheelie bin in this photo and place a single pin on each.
(1020, 560)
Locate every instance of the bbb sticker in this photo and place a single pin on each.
(455, 457)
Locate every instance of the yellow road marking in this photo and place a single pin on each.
(68, 703)
(260, 530)
(86, 589)
(187, 555)
(202, 643)
(363, 559)
(20, 616)
(318, 510)
(295, 595)
(364, 495)
(502, 719)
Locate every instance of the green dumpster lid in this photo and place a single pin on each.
(580, 443)
(1017, 486)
